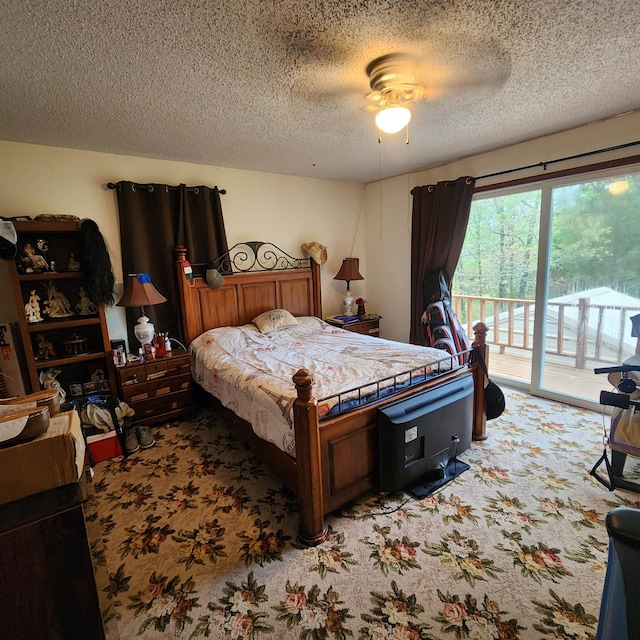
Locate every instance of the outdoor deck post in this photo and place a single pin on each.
(581, 338)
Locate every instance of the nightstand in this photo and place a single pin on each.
(157, 390)
(368, 327)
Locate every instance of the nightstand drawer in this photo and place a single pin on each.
(155, 368)
(132, 375)
(368, 327)
(178, 366)
(163, 404)
(169, 384)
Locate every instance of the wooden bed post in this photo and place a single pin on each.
(479, 413)
(312, 529)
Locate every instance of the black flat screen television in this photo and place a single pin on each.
(418, 436)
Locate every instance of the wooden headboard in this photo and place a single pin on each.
(292, 284)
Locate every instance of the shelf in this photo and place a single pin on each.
(62, 323)
(50, 275)
(63, 361)
(46, 226)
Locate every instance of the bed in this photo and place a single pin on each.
(335, 455)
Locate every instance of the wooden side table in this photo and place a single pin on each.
(159, 389)
(368, 327)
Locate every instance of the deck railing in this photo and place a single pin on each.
(580, 330)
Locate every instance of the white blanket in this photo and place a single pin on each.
(251, 373)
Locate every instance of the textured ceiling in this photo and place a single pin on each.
(280, 86)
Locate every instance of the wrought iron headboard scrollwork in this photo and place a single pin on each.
(256, 256)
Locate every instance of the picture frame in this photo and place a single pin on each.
(89, 387)
(76, 389)
(103, 385)
(96, 372)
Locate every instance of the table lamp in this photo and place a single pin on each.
(348, 271)
(139, 292)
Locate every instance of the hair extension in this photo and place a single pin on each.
(96, 264)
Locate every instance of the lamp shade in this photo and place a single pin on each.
(139, 292)
(349, 270)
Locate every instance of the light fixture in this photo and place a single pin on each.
(392, 118)
(618, 187)
(348, 271)
(139, 292)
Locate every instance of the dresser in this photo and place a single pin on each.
(159, 389)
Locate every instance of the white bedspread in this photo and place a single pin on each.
(251, 373)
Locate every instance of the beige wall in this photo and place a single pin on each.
(285, 210)
(388, 206)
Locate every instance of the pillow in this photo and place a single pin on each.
(275, 319)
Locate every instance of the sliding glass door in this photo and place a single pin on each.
(553, 270)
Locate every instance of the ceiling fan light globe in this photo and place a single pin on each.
(393, 119)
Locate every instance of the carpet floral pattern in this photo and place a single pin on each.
(196, 538)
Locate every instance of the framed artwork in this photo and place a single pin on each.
(75, 389)
(96, 372)
(90, 387)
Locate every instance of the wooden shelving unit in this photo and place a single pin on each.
(61, 238)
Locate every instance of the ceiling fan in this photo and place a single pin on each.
(394, 85)
(400, 79)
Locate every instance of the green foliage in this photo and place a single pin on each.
(595, 242)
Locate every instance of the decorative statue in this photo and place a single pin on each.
(48, 381)
(33, 262)
(56, 305)
(45, 348)
(32, 308)
(73, 264)
(362, 310)
(85, 307)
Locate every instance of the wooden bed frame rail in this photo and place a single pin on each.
(336, 456)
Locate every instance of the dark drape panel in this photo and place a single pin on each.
(156, 218)
(438, 226)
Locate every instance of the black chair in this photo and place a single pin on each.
(619, 610)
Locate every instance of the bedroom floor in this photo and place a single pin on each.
(195, 537)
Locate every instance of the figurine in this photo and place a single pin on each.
(45, 348)
(73, 264)
(361, 302)
(32, 308)
(56, 305)
(85, 307)
(32, 261)
(48, 381)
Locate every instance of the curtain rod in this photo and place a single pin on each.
(545, 164)
(149, 187)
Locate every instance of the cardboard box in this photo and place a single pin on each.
(52, 459)
(104, 446)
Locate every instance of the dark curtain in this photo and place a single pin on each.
(154, 219)
(439, 222)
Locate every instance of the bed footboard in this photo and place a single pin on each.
(337, 461)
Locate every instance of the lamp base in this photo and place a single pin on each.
(348, 304)
(144, 331)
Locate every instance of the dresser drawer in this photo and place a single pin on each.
(179, 366)
(132, 375)
(169, 384)
(134, 392)
(163, 404)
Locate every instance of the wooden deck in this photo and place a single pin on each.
(559, 378)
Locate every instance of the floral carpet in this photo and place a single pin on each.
(195, 538)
